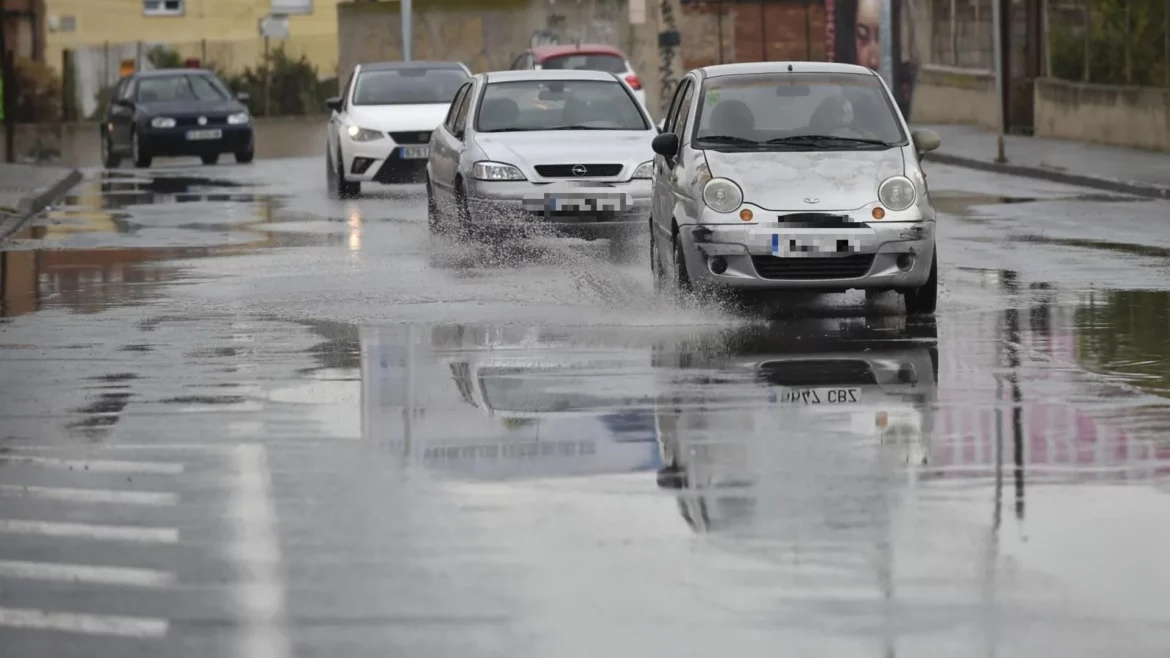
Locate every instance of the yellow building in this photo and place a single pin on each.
(223, 32)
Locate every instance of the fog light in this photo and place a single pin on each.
(360, 165)
(907, 374)
(905, 262)
(878, 213)
(718, 265)
(746, 214)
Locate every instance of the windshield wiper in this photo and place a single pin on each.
(822, 138)
(729, 139)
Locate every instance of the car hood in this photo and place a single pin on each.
(191, 108)
(782, 180)
(399, 118)
(524, 149)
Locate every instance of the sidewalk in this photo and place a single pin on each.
(25, 190)
(1143, 173)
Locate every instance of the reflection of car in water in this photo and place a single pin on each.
(750, 395)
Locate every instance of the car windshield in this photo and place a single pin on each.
(586, 62)
(408, 86)
(558, 105)
(804, 111)
(186, 87)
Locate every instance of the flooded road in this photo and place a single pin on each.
(240, 419)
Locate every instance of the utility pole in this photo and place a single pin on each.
(7, 88)
(998, 47)
(407, 30)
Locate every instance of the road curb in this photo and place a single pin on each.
(36, 201)
(1105, 184)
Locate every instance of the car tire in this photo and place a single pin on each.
(683, 286)
(245, 157)
(110, 160)
(924, 300)
(209, 158)
(344, 189)
(463, 214)
(142, 156)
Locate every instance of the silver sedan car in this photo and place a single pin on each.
(792, 176)
(564, 150)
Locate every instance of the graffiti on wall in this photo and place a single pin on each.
(854, 35)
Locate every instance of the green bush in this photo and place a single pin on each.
(1110, 39)
(294, 88)
(37, 96)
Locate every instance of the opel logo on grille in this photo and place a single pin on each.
(203, 121)
(811, 199)
(579, 170)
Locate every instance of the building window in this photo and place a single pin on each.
(162, 7)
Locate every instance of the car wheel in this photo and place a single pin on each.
(924, 300)
(656, 264)
(245, 157)
(463, 214)
(110, 160)
(209, 158)
(683, 285)
(142, 156)
(345, 189)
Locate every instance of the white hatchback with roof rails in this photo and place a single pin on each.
(381, 125)
(792, 176)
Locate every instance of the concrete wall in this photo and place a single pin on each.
(947, 95)
(1136, 117)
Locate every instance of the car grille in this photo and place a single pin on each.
(820, 372)
(412, 137)
(566, 170)
(194, 121)
(816, 220)
(811, 269)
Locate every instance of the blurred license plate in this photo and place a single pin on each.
(829, 243)
(590, 203)
(819, 395)
(194, 135)
(415, 152)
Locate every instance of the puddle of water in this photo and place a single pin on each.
(1099, 245)
(962, 203)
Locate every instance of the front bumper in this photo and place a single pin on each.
(873, 255)
(609, 209)
(174, 142)
(382, 161)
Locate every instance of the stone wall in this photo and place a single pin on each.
(1136, 117)
(948, 95)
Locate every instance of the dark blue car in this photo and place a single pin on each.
(175, 112)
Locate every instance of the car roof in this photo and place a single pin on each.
(541, 53)
(748, 68)
(424, 64)
(548, 74)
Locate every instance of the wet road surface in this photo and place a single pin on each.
(240, 419)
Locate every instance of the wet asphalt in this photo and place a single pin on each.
(240, 419)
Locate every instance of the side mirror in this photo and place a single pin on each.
(333, 103)
(243, 97)
(925, 140)
(665, 145)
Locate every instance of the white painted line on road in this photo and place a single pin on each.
(83, 573)
(139, 627)
(151, 498)
(91, 531)
(96, 466)
(260, 592)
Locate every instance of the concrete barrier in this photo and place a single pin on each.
(1134, 117)
(949, 95)
(78, 145)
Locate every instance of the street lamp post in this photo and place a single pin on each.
(997, 48)
(7, 78)
(407, 30)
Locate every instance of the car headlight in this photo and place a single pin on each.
(897, 193)
(162, 122)
(362, 134)
(486, 170)
(722, 195)
(645, 170)
(238, 118)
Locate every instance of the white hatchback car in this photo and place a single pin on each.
(381, 125)
(792, 176)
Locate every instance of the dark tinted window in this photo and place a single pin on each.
(408, 86)
(607, 63)
(558, 105)
(181, 87)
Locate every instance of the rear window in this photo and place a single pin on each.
(606, 63)
(408, 86)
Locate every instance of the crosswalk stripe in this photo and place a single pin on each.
(83, 573)
(151, 498)
(97, 465)
(91, 531)
(139, 627)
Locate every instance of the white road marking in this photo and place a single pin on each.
(82, 573)
(139, 627)
(151, 498)
(260, 592)
(96, 465)
(91, 531)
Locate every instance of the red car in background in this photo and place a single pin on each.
(587, 56)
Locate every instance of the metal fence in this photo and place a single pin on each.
(1109, 41)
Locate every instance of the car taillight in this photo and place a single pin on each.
(633, 81)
